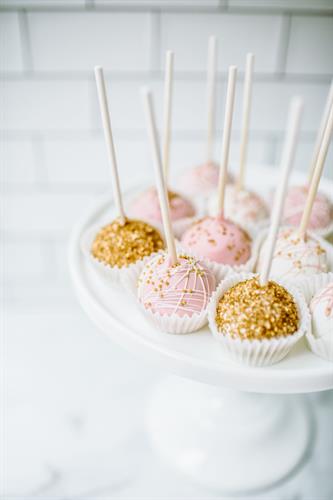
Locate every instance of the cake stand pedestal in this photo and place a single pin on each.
(230, 427)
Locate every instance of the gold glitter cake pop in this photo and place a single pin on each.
(249, 310)
(123, 243)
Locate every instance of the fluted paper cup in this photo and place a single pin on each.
(257, 352)
(114, 275)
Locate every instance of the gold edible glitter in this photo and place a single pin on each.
(251, 311)
(121, 244)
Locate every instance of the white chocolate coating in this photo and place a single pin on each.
(321, 307)
(294, 257)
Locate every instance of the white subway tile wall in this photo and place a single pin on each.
(52, 149)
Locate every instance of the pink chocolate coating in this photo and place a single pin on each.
(182, 289)
(219, 240)
(147, 206)
(322, 210)
(200, 179)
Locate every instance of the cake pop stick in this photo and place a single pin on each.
(317, 173)
(287, 159)
(321, 130)
(160, 179)
(104, 108)
(211, 96)
(167, 111)
(229, 107)
(247, 95)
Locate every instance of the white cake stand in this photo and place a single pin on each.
(218, 422)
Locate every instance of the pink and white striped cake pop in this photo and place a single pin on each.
(147, 206)
(219, 240)
(321, 213)
(241, 205)
(183, 289)
(295, 256)
(200, 180)
(321, 307)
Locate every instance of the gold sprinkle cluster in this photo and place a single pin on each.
(123, 243)
(249, 310)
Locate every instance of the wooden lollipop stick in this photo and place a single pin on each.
(160, 180)
(288, 154)
(247, 95)
(211, 96)
(229, 107)
(167, 111)
(104, 108)
(317, 173)
(321, 130)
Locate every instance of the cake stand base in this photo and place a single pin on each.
(230, 441)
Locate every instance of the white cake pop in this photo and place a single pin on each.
(295, 256)
(242, 206)
(321, 307)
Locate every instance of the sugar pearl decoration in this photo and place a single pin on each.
(182, 289)
(321, 213)
(219, 240)
(121, 244)
(147, 206)
(321, 307)
(249, 310)
(241, 205)
(295, 256)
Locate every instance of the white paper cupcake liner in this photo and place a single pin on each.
(322, 346)
(114, 275)
(303, 281)
(175, 324)
(257, 352)
(169, 324)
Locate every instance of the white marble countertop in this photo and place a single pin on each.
(74, 420)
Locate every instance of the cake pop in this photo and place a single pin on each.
(249, 310)
(298, 252)
(202, 179)
(321, 307)
(183, 288)
(243, 206)
(174, 289)
(123, 242)
(321, 213)
(295, 256)
(255, 319)
(219, 240)
(147, 206)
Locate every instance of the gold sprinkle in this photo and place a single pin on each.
(121, 244)
(251, 311)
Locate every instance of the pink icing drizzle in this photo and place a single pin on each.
(325, 295)
(182, 289)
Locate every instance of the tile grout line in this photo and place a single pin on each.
(25, 41)
(283, 45)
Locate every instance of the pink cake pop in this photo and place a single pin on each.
(201, 179)
(219, 240)
(321, 307)
(183, 288)
(147, 207)
(321, 213)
